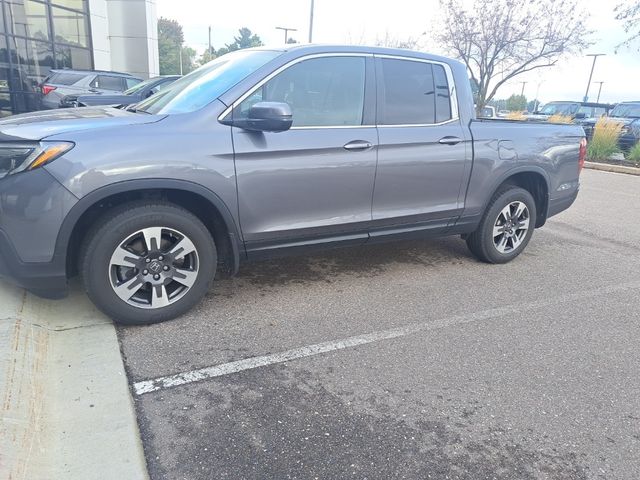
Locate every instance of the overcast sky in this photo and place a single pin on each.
(362, 21)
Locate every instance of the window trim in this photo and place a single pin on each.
(289, 64)
(453, 98)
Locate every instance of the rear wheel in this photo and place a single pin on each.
(146, 263)
(506, 226)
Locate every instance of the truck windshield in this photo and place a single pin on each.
(559, 109)
(204, 85)
(626, 110)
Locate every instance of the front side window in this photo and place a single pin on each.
(408, 96)
(326, 91)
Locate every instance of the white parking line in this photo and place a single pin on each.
(147, 386)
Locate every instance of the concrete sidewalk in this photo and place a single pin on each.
(66, 407)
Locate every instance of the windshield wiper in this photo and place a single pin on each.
(135, 110)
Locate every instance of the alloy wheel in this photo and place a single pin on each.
(511, 227)
(153, 268)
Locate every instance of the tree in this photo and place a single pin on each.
(500, 39)
(170, 40)
(188, 60)
(245, 39)
(516, 103)
(391, 41)
(207, 56)
(629, 14)
(533, 105)
(291, 40)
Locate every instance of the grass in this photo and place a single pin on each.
(559, 118)
(516, 116)
(634, 154)
(605, 139)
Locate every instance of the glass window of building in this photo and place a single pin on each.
(35, 37)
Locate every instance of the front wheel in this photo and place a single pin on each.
(506, 226)
(148, 262)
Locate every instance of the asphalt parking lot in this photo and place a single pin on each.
(432, 364)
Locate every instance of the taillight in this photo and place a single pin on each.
(582, 155)
(47, 89)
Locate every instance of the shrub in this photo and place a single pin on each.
(559, 118)
(634, 154)
(516, 116)
(605, 139)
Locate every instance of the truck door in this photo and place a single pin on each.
(422, 149)
(313, 183)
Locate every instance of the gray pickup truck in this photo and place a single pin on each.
(263, 152)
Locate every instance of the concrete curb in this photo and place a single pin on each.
(606, 167)
(66, 407)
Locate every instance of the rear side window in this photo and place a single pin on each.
(414, 93)
(408, 93)
(443, 97)
(107, 82)
(62, 78)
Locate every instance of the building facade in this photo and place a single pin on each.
(39, 35)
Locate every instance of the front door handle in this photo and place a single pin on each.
(449, 140)
(357, 145)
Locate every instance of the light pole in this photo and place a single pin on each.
(210, 40)
(286, 32)
(593, 66)
(599, 91)
(536, 102)
(311, 23)
(522, 92)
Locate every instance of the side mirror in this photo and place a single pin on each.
(267, 117)
(581, 115)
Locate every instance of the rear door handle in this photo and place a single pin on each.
(449, 140)
(357, 145)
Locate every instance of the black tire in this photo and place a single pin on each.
(118, 226)
(481, 242)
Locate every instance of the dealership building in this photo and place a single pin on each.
(39, 35)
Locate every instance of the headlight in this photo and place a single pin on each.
(625, 130)
(16, 158)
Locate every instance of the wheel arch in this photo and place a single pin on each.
(533, 179)
(200, 201)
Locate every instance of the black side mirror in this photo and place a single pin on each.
(267, 117)
(581, 115)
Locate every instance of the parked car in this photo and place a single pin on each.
(306, 147)
(488, 112)
(61, 83)
(575, 110)
(135, 94)
(628, 113)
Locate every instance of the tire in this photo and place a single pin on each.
(514, 238)
(161, 252)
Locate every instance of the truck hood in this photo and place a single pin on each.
(39, 125)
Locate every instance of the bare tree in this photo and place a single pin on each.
(629, 14)
(500, 39)
(392, 41)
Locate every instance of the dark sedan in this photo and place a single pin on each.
(135, 94)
